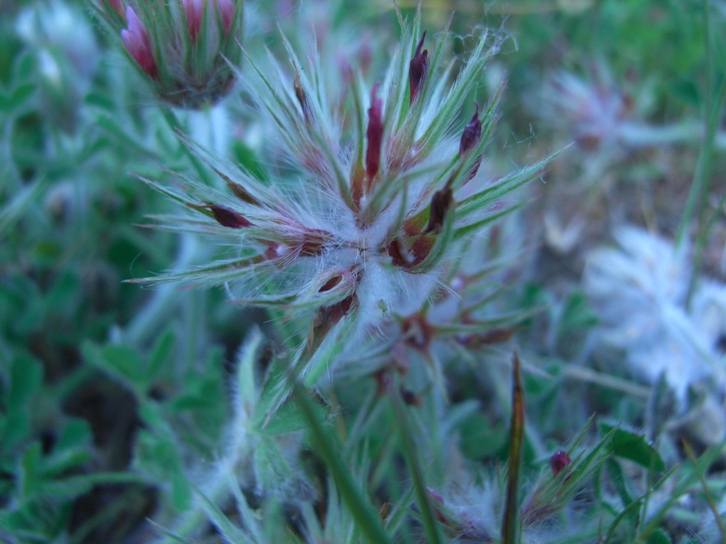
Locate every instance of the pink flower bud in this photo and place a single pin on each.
(136, 41)
(417, 70)
(471, 134)
(115, 5)
(441, 202)
(227, 217)
(558, 461)
(469, 138)
(302, 98)
(374, 134)
(193, 14)
(437, 497)
(226, 10)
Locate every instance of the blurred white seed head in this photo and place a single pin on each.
(595, 112)
(67, 54)
(639, 291)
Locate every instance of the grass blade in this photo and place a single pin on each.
(361, 509)
(510, 523)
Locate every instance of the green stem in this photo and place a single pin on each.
(510, 523)
(360, 508)
(699, 187)
(176, 127)
(409, 451)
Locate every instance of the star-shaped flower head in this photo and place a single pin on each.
(364, 214)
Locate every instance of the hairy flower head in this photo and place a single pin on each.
(368, 215)
(640, 293)
(595, 111)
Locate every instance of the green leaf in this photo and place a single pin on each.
(12, 210)
(576, 314)
(159, 355)
(26, 375)
(271, 468)
(74, 486)
(14, 428)
(76, 433)
(230, 531)
(633, 447)
(18, 96)
(479, 439)
(619, 480)
(659, 536)
(410, 452)
(119, 361)
(246, 391)
(172, 535)
(289, 419)
(249, 161)
(64, 460)
(30, 470)
(160, 457)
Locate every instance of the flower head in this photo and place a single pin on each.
(639, 290)
(183, 48)
(594, 110)
(371, 217)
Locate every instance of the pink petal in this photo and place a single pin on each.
(226, 10)
(136, 41)
(194, 13)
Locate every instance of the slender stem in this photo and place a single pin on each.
(704, 485)
(164, 300)
(700, 184)
(410, 453)
(510, 523)
(605, 380)
(359, 506)
(171, 119)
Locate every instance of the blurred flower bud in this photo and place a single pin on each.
(136, 41)
(441, 202)
(193, 13)
(227, 217)
(469, 138)
(115, 5)
(226, 11)
(187, 49)
(472, 133)
(65, 48)
(558, 461)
